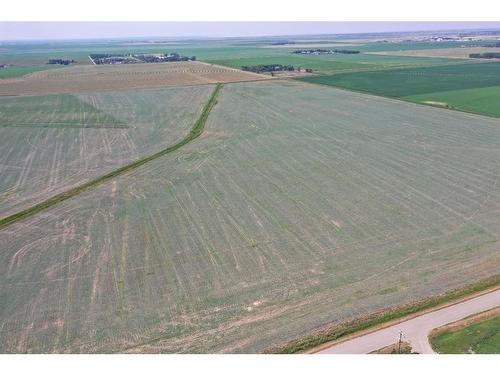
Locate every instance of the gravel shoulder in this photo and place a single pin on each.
(416, 330)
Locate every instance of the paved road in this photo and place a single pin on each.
(416, 330)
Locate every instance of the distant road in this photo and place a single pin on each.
(416, 330)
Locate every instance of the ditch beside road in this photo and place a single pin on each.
(416, 330)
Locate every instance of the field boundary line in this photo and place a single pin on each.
(406, 318)
(398, 99)
(324, 338)
(194, 133)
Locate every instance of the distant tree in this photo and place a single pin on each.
(60, 62)
(488, 55)
(267, 68)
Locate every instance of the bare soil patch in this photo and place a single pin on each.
(122, 77)
(405, 348)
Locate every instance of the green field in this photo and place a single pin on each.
(484, 100)
(469, 86)
(249, 217)
(228, 53)
(21, 71)
(331, 64)
(294, 209)
(53, 142)
(479, 338)
(39, 54)
(415, 45)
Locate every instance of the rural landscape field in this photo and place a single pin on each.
(244, 195)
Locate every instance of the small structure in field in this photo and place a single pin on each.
(61, 62)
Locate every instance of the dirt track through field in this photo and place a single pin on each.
(195, 132)
(416, 331)
(294, 210)
(53, 143)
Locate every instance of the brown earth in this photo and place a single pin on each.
(394, 349)
(120, 77)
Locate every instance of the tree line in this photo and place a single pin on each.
(487, 55)
(267, 68)
(61, 62)
(320, 51)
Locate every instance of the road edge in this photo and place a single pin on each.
(324, 338)
(467, 321)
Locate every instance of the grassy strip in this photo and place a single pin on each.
(195, 132)
(338, 331)
(479, 334)
(401, 99)
(19, 71)
(405, 348)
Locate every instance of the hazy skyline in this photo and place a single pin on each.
(25, 31)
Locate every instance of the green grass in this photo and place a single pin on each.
(414, 81)
(401, 46)
(483, 100)
(228, 53)
(18, 71)
(337, 332)
(35, 55)
(469, 87)
(317, 64)
(195, 132)
(329, 64)
(480, 338)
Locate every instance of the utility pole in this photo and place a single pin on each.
(399, 342)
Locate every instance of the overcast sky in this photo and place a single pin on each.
(92, 30)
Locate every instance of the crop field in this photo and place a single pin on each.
(332, 64)
(311, 45)
(36, 54)
(293, 210)
(21, 71)
(483, 100)
(456, 53)
(421, 84)
(121, 77)
(422, 45)
(234, 53)
(51, 143)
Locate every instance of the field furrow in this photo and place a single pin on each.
(298, 207)
(85, 136)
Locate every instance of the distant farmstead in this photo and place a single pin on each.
(321, 51)
(103, 59)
